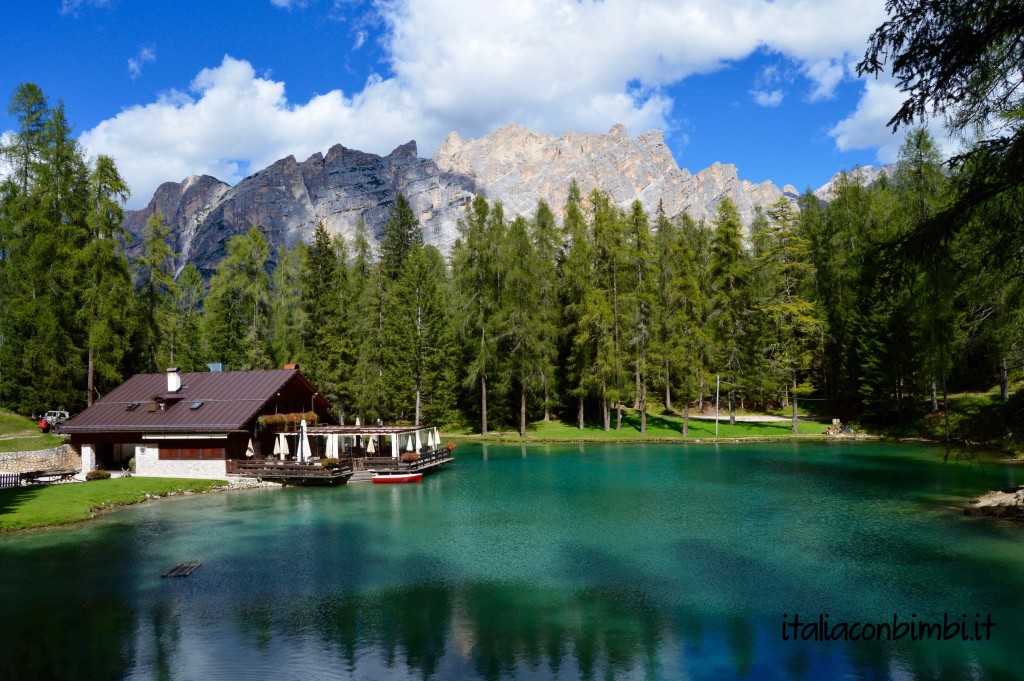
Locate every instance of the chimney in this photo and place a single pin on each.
(173, 380)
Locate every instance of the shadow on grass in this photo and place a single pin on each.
(12, 497)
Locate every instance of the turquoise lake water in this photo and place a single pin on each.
(562, 561)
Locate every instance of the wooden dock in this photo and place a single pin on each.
(387, 464)
(182, 569)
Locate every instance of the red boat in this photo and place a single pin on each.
(394, 478)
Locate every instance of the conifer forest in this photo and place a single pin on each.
(875, 303)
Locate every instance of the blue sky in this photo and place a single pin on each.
(227, 87)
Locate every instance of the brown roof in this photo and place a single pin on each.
(230, 399)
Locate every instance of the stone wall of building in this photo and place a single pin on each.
(148, 463)
(63, 457)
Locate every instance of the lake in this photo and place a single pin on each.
(560, 561)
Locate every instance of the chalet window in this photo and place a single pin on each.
(168, 453)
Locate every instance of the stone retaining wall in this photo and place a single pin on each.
(62, 457)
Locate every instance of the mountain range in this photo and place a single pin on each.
(513, 165)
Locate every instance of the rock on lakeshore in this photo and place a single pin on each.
(1006, 503)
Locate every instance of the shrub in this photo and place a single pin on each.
(131, 464)
(97, 475)
(410, 457)
(450, 446)
(329, 463)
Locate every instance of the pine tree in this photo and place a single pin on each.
(784, 256)
(187, 320)
(576, 271)
(523, 334)
(401, 233)
(287, 315)
(325, 328)
(477, 276)
(154, 274)
(548, 241)
(234, 312)
(729, 277)
(106, 285)
(640, 300)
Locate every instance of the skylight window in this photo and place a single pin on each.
(131, 407)
(196, 404)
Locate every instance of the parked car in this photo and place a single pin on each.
(55, 418)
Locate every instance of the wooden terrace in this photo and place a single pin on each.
(292, 472)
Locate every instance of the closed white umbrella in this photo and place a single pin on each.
(332, 446)
(408, 444)
(419, 443)
(280, 447)
(250, 451)
(371, 447)
(303, 452)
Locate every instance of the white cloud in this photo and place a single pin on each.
(867, 127)
(288, 4)
(825, 74)
(551, 65)
(361, 37)
(145, 56)
(72, 6)
(767, 99)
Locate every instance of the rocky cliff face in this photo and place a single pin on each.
(289, 198)
(518, 167)
(863, 175)
(512, 165)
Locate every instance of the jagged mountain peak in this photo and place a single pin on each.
(512, 164)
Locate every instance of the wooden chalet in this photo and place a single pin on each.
(193, 424)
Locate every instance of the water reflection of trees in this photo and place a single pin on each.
(488, 631)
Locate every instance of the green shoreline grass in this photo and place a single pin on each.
(660, 428)
(36, 506)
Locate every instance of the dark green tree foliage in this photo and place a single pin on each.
(287, 315)
(234, 312)
(921, 188)
(400, 234)
(365, 387)
(783, 258)
(576, 269)
(403, 315)
(325, 333)
(604, 312)
(640, 301)
(522, 328)
(186, 335)
(107, 293)
(155, 281)
(44, 225)
(681, 342)
(962, 61)
(477, 275)
(423, 290)
(730, 306)
(548, 241)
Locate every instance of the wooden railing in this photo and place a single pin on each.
(270, 468)
(427, 458)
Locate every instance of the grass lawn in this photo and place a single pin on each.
(19, 434)
(45, 505)
(659, 428)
